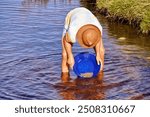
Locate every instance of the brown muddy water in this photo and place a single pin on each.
(30, 55)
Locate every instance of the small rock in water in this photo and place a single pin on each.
(148, 58)
(122, 38)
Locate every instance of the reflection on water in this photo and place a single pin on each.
(39, 3)
(35, 2)
(130, 42)
(30, 55)
(90, 4)
(90, 88)
(129, 33)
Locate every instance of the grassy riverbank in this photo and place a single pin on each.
(133, 12)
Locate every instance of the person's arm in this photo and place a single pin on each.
(65, 67)
(68, 48)
(100, 52)
(67, 56)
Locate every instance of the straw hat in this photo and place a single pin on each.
(88, 36)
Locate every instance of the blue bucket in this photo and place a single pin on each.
(85, 65)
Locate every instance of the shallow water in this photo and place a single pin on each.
(30, 55)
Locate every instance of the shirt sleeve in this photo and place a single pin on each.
(68, 20)
(67, 23)
(66, 26)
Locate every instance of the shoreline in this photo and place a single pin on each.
(127, 12)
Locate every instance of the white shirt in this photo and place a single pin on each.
(77, 18)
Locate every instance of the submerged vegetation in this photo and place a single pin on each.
(133, 12)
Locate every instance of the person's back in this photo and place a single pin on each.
(77, 18)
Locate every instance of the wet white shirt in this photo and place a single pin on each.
(77, 18)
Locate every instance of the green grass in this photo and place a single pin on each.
(135, 11)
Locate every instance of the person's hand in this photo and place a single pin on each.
(70, 61)
(100, 62)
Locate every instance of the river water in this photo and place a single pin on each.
(30, 55)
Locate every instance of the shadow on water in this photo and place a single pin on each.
(85, 88)
(78, 88)
(128, 35)
(90, 4)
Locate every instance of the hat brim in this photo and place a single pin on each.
(81, 31)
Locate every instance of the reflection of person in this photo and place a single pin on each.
(83, 26)
(65, 77)
(90, 88)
